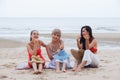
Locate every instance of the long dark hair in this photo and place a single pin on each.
(82, 39)
(31, 34)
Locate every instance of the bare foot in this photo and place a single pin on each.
(35, 72)
(78, 70)
(39, 72)
(64, 71)
(73, 70)
(58, 71)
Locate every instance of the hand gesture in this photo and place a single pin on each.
(86, 37)
(35, 40)
(78, 38)
(36, 44)
(61, 47)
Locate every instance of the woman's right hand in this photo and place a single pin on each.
(35, 40)
(78, 38)
(36, 44)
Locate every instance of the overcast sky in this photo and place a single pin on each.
(59, 8)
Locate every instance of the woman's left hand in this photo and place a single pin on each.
(86, 37)
(61, 47)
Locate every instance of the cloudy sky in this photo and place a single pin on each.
(59, 8)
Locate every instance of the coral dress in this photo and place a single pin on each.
(38, 54)
(94, 50)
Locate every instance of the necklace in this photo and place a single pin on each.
(55, 46)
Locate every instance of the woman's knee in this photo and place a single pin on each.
(87, 51)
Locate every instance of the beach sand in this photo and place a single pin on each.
(13, 52)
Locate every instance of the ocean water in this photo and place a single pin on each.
(23, 26)
(19, 28)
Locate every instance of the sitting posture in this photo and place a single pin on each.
(35, 58)
(56, 52)
(87, 43)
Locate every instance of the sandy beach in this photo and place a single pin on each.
(13, 52)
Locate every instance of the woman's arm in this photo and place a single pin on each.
(48, 52)
(32, 51)
(92, 44)
(78, 42)
(32, 47)
(62, 45)
(47, 49)
(42, 43)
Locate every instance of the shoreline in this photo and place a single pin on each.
(101, 36)
(104, 39)
(8, 43)
(104, 36)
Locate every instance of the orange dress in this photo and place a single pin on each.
(30, 55)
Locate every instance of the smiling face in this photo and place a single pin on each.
(56, 34)
(55, 37)
(34, 34)
(84, 32)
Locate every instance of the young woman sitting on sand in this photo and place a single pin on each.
(88, 44)
(57, 53)
(35, 58)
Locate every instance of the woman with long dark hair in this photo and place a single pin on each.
(88, 43)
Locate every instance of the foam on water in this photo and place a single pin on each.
(20, 27)
(67, 25)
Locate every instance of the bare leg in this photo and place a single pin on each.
(75, 65)
(57, 66)
(63, 67)
(40, 68)
(34, 65)
(81, 66)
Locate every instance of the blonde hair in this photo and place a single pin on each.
(56, 31)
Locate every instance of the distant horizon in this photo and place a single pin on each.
(45, 25)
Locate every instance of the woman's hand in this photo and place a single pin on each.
(78, 38)
(35, 41)
(61, 47)
(36, 45)
(86, 37)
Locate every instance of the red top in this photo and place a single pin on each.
(94, 50)
(30, 55)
